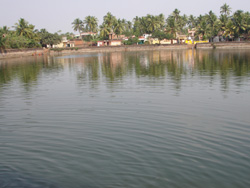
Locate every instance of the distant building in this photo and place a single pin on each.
(181, 38)
(109, 43)
(167, 41)
(113, 36)
(114, 40)
(146, 36)
(77, 36)
(86, 35)
(154, 41)
(75, 43)
(191, 34)
(141, 40)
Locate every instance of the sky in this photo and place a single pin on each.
(55, 15)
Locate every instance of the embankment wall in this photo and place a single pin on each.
(223, 45)
(11, 53)
(119, 49)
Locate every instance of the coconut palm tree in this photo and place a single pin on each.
(176, 14)
(119, 27)
(239, 22)
(213, 24)
(152, 23)
(223, 20)
(229, 29)
(137, 26)
(172, 26)
(191, 21)
(77, 25)
(109, 20)
(202, 29)
(225, 9)
(247, 17)
(199, 19)
(23, 28)
(183, 22)
(91, 23)
(104, 31)
(161, 20)
(129, 25)
(143, 25)
(4, 29)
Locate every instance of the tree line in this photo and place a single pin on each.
(25, 35)
(229, 25)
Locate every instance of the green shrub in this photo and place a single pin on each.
(131, 41)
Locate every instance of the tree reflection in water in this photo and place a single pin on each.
(158, 66)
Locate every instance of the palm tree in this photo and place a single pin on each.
(152, 23)
(199, 19)
(176, 14)
(239, 22)
(23, 28)
(4, 29)
(202, 29)
(183, 22)
(104, 31)
(77, 25)
(119, 27)
(247, 17)
(229, 29)
(225, 9)
(109, 20)
(172, 26)
(161, 20)
(191, 21)
(91, 23)
(212, 24)
(223, 20)
(136, 26)
(129, 25)
(143, 25)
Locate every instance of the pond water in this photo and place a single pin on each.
(126, 119)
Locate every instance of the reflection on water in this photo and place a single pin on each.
(126, 119)
(26, 70)
(174, 65)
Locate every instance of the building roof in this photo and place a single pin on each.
(88, 33)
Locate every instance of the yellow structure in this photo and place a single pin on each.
(60, 45)
(154, 41)
(195, 42)
(166, 41)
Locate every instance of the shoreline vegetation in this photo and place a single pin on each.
(178, 31)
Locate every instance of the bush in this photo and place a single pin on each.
(17, 42)
(131, 41)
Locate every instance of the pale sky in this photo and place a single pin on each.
(55, 15)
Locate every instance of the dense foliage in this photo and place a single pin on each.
(131, 40)
(47, 38)
(26, 36)
(230, 26)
